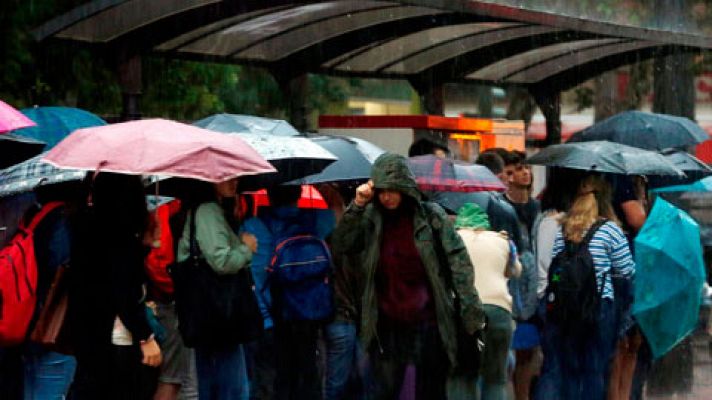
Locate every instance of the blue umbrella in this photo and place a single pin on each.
(55, 123)
(645, 130)
(670, 273)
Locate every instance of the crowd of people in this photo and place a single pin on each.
(429, 302)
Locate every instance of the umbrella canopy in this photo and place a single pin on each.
(158, 147)
(694, 169)
(228, 123)
(31, 174)
(15, 149)
(645, 130)
(55, 123)
(354, 160)
(438, 174)
(604, 156)
(310, 198)
(11, 119)
(293, 157)
(702, 185)
(669, 276)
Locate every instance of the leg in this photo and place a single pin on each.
(176, 357)
(341, 346)
(263, 379)
(498, 338)
(307, 378)
(47, 374)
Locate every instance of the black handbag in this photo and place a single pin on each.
(214, 310)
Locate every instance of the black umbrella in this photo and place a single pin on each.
(644, 130)
(15, 149)
(602, 156)
(694, 169)
(354, 163)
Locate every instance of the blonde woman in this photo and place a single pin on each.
(578, 366)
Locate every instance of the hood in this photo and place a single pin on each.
(472, 216)
(390, 171)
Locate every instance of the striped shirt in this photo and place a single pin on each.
(610, 253)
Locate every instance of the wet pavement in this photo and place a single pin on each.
(702, 383)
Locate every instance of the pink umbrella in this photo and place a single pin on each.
(11, 119)
(158, 147)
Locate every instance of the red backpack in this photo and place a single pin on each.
(18, 280)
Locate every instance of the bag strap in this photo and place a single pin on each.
(194, 248)
(37, 218)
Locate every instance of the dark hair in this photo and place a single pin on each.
(561, 188)
(119, 203)
(284, 195)
(514, 158)
(423, 147)
(492, 161)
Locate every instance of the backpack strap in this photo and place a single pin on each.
(592, 230)
(37, 218)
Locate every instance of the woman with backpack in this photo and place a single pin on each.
(580, 317)
(222, 373)
(412, 262)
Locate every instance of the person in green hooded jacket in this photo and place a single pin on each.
(406, 315)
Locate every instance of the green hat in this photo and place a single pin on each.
(472, 216)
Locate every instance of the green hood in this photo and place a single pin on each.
(390, 171)
(472, 216)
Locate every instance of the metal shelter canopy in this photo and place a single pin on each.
(424, 41)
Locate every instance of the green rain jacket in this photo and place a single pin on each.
(358, 237)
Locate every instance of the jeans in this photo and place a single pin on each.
(222, 373)
(578, 367)
(340, 356)
(47, 374)
(498, 338)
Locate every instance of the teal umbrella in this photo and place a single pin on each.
(55, 123)
(669, 276)
(703, 185)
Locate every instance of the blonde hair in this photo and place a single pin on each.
(592, 202)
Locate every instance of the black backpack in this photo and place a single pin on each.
(573, 296)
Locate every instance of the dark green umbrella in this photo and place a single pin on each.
(644, 130)
(603, 156)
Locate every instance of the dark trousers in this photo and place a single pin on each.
(115, 373)
(296, 360)
(261, 361)
(403, 353)
(578, 367)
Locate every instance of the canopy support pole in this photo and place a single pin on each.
(295, 90)
(130, 81)
(550, 105)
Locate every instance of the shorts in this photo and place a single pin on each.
(526, 336)
(176, 365)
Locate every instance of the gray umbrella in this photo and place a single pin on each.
(603, 156)
(31, 174)
(247, 124)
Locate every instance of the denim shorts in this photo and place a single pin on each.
(526, 336)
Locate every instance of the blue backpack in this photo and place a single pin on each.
(299, 280)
